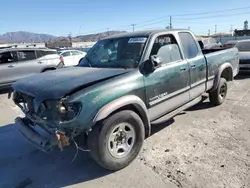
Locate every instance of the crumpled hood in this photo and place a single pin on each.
(58, 83)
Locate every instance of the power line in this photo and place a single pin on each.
(219, 15)
(160, 19)
(200, 13)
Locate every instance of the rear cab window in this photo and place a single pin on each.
(167, 49)
(189, 45)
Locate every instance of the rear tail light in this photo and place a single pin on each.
(225, 45)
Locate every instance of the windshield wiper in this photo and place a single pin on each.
(89, 62)
(119, 65)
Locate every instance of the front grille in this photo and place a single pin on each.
(245, 61)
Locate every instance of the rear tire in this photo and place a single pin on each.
(116, 141)
(218, 96)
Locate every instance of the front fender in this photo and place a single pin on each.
(124, 101)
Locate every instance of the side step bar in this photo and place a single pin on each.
(177, 111)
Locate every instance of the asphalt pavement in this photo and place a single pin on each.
(205, 146)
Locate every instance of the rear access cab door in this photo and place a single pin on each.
(197, 63)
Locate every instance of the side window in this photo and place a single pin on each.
(74, 52)
(65, 54)
(40, 53)
(189, 45)
(167, 49)
(7, 57)
(26, 55)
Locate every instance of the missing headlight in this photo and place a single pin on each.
(68, 111)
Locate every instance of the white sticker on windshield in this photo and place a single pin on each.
(137, 40)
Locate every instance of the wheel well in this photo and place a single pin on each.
(52, 68)
(142, 115)
(227, 74)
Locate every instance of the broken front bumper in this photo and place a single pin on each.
(41, 140)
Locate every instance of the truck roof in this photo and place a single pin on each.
(22, 49)
(144, 33)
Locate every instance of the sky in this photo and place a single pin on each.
(79, 17)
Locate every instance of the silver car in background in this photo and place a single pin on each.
(210, 43)
(17, 63)
(244, 54)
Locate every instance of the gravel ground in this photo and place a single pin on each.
(203, 147)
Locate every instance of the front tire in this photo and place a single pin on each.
(116, 141)
(218, 96)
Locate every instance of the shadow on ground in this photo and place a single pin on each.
(242, 76)
(4, 91)
(23, 165)
(201, 106)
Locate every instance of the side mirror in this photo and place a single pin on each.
(150, 65)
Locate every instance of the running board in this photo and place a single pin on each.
(177, 111)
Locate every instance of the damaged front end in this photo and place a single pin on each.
(42, 125)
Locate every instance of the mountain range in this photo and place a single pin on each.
(24, 36)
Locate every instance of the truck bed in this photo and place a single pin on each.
(216, 57)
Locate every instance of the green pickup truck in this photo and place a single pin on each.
(125, 84)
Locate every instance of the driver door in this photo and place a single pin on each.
(167, 88)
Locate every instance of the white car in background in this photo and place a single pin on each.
(71, 57)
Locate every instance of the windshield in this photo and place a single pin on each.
(115, 53)
(244, 46)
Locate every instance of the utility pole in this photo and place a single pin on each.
(215, 29)
(108, 31)
(170, 22)
(79, 29)
(133, 25)
(208, 32)
(70, 39)
(231, 30)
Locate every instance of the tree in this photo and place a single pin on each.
(245, 25)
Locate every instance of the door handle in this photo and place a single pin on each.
(193, 66)
(11, 66)
(40, 62)
(183, 68)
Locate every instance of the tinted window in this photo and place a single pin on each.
(189, 45)
(41, 53)
(26, 55)
(7, 57)
(166, 48)
(75, 53)
(244, 46)
(65, 54)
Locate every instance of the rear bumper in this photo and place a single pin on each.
(44, 142)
